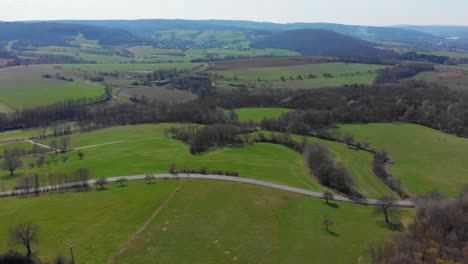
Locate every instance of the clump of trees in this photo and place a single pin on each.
(330, 174)
(438, 233)
(402, 71)
(201, 139)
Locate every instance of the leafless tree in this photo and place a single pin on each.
(386, 206)
(100, 183)
(327, 196)
(327, 223)
(149, 178)
(123, 182)
(64, 144)
(24, 234)
(11, 161)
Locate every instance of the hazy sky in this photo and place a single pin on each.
(364, 12)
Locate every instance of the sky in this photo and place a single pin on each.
(357, 12)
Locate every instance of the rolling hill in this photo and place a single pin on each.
(150, 26)
(46, 34)
(318, 42)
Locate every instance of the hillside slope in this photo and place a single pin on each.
(318, 42)
(45, 34)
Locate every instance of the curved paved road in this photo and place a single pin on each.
(225, 178)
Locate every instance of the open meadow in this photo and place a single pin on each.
(24, 87)
(303, 76)
(94, 222)
(131, 150)
(425, 159)
(209, 222)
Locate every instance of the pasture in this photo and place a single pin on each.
(130, 150)
(358, 163)
(94, 222)
(218, 222)
(425, 159)
(304, 76)
(24, 87)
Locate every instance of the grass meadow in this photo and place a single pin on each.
(130, 150)
(24, 87)
(94, 222)
(425, 159)
(218, 222)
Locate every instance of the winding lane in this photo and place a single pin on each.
(222, 178)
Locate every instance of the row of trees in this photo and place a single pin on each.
(318, 158)
(330, 174)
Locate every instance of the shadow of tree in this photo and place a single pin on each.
(330, 232)
(332, 205)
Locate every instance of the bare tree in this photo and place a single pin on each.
(100, 183)
(123, 182)
(327, 223)
(40, 161)
(54, 145)
(24, 234)
(64, 144)
(348, 139)
(327, 196)
(387, 206)
(11, 161)
(149, 178)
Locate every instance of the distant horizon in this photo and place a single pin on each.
(240, 20)
(356, 12)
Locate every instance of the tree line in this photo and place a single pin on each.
(411, 101)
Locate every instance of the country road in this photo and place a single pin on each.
(229, 179)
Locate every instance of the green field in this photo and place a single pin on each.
(298, 76)
(131, 150)
(425, 159)
(24, 87)
(124, 67)
(217, 222)
(94, 222)
(275, 73)
(21, 145)
(258, 114)
(358, 163)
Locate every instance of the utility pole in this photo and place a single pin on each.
(71, 253)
